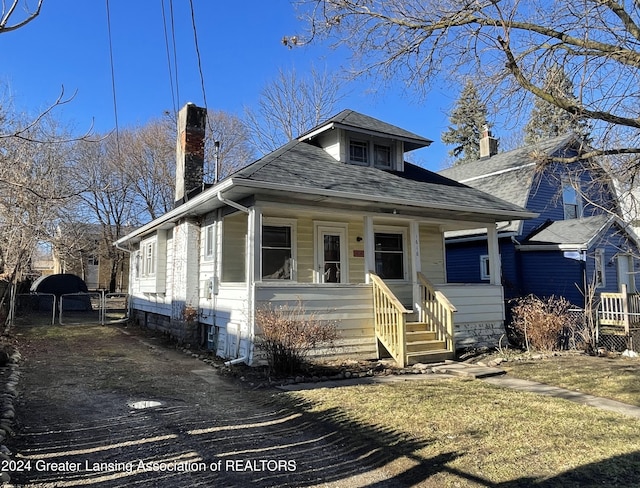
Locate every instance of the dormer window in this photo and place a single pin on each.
(382, 156)
(359, 152)
(370, 153)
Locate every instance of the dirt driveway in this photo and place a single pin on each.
(77, 426)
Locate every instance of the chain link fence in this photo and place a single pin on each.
(71, 309)
(585, 330)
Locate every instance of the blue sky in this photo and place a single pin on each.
(241, 51)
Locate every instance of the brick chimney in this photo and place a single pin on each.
(192, 122)
(488, 143)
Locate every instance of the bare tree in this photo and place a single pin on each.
(146, 158)
(235, 150)
(290, 105)
(35, 186)
(108, 201)
(510, 44)
(12, 18)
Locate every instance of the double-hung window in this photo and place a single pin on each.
(389, 255)
(278, 250)
(599, 269)
(149, 253)
(570, 201)
(209, 242)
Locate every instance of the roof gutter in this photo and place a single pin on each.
(176, 213)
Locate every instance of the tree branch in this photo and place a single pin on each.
(6, 15)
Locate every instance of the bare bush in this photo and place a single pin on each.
(540, 322)
(288, 334)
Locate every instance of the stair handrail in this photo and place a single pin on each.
(389, 319)
(437, 311)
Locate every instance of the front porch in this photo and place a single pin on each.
(379, 277)
(373, 322)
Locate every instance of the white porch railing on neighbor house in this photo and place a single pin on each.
(437, 312)
(389, 318)
(620, 311)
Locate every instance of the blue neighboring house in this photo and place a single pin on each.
(578, 237)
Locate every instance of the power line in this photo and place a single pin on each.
(166, 43)
(175, 51)
(113, 77)
(195, 38)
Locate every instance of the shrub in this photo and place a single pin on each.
(288, 334)
(540, 322)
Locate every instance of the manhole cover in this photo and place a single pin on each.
(144, 404)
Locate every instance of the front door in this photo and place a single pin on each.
(331, 263)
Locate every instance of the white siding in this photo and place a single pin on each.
(479, 321)
(350, 306)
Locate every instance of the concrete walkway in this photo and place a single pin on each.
(493, 375)
(574, 396)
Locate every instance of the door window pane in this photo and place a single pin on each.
(331, 258)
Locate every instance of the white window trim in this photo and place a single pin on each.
(153, 280)
(293, 225)
(484, 265)
(391, 229)
(209, 242)
(146, 246)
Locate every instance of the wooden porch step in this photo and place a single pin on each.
(420, 335)
(425, 346)
(435, 356)
(416, 326)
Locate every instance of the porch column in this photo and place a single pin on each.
(416, 261)
(495, 262)
(369, 248)
(253, 273)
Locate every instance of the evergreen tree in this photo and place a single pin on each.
(547, 120)
(467, 120)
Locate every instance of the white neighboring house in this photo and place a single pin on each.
(335, 219)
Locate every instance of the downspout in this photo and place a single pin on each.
(235, 205)
(244, 209)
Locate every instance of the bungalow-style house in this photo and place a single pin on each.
(335, 220)
(578, 239)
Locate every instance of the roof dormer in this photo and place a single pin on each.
(354, 138)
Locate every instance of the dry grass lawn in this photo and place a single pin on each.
(617, 378)
(454, 432)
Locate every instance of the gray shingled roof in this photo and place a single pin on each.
(473, 172)
(352, 120)
(305, 167)
(507, 175)
(577, 232)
